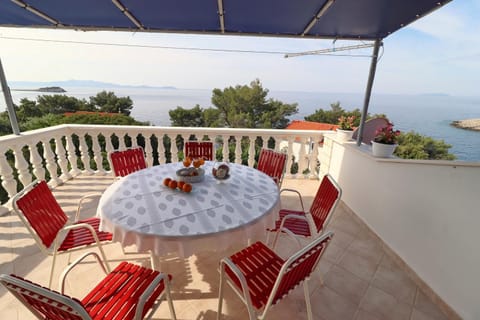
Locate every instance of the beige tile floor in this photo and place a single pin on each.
(361, 281)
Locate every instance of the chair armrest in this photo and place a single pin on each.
(243, 282)
(83, 225)
(298, 193)
(287, 231)
(82, 199)
(148, 293)
(65, 272)
(291, 235)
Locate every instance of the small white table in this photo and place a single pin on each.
(138, 209)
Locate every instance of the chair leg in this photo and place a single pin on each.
(169, 299)
(220, 293)
(277, 234)
(52, 269)
(104, 257)
(306, 291)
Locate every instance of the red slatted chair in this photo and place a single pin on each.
(47, 222)
(128, 292)
(127, 161)
(309, 223)
(272, 164)
(202, 149)
(262, 279)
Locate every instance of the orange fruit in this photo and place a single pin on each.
(180, 184)
(187, 162)
(202, 161)
(173, 184)
(196, 163)
(166, 181)
(187, 187)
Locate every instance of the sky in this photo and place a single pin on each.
(439, 53)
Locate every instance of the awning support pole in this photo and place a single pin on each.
(8, 100)
(368, 91)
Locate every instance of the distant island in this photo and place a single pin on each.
(468, 124)
(44, 89)
(79, 83)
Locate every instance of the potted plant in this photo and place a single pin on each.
(345, 128)
(385, 141)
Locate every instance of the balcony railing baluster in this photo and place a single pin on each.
(251, 150)
(97, 155)
(51, 163)
(149, 149)
(6, 173)
(36, 161)
(62, 158)
(72, 157)
(21, 165)
(84, 154)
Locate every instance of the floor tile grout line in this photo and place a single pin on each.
(370, 285)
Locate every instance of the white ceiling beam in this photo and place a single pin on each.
(221, 16)
(129, 15)
(37, 12)
(317, 17)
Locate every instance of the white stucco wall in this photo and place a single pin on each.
(428, 212)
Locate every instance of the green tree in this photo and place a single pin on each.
(237, 107)
(194, 117)
(331, 116)
(248, 107)
(412, 145)
(27, 109)
(108, 102)
(56, 104)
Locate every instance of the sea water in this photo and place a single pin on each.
(428, 115)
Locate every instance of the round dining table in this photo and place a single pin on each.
(139, 210)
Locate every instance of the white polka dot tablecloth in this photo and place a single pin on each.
(138, 209)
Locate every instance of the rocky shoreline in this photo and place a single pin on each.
(468, 124)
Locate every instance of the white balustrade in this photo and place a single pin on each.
(54, 152)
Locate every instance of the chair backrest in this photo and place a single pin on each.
(272, 163)
(40, 212)
(370, 128)
(199, 149)
(325, 201)
(127, 161)
(299, 267)
(43, 302)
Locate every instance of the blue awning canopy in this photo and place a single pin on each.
(329, 19)
(308, 19)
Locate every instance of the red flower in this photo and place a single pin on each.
(387, 135)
